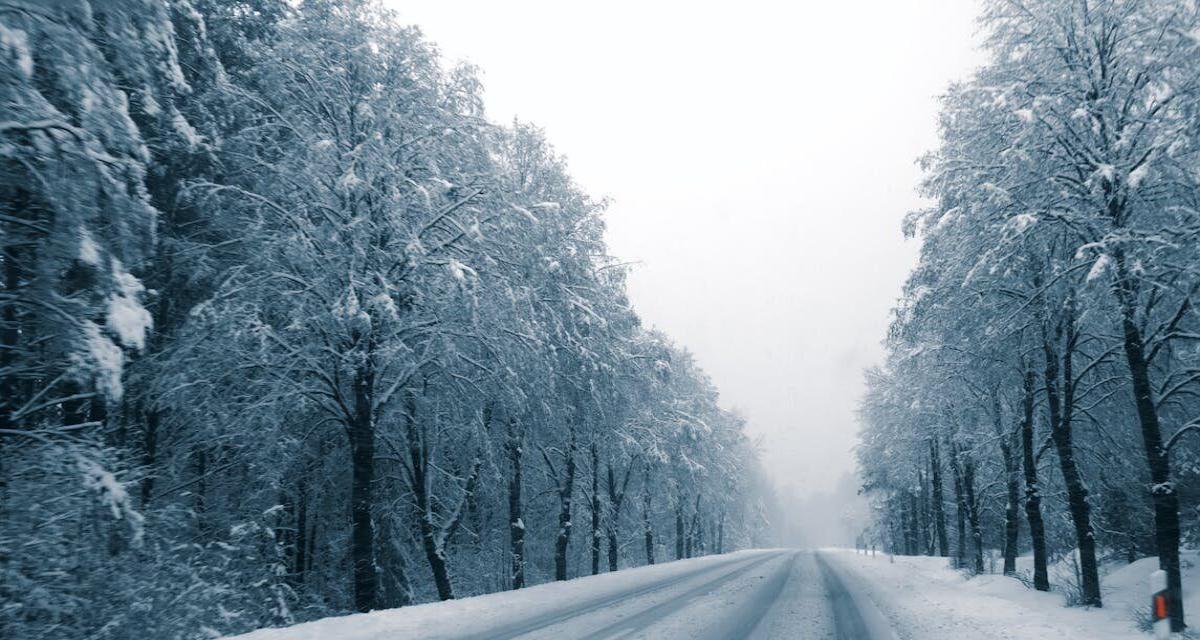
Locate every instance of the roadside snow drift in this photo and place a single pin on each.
(925, 599)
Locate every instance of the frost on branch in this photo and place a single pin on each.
(112, 495)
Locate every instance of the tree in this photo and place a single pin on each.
(369, 306)
(1061, 234)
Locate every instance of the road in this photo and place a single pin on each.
(778, 594)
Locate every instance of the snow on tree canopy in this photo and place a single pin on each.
(1099, 267)
(127, 318)
(313, 216)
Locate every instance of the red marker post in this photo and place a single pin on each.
(1160, 610)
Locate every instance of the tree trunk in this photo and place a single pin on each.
(913, 545)
(312, 549)
(968, 471)
(939, 509)
(721, 534)
(647, 526)
(679, 529)
(1012, 522)
(362, 452)
(435, 553)
(960, 502)
(691, 529)
(300, 560)
(1162, 489)
(923, 537)
(432, 542)
(285, 532)
(516, 522)
(595, 506)
(612, 548)
(1061, 409)
(614, 505)
(566, 492)
(1033, 496)
(616, 498)
(896, 525)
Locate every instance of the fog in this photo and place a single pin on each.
(759, 157)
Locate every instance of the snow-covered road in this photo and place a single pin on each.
(765, 594)
(759, 595)
(777, 594)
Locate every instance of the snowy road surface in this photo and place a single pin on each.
(833, 594)
(783, 594)
(754, 594)
(774, 596)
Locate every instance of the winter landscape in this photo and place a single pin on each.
(455, 319)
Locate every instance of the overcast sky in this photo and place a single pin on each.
(759, 155)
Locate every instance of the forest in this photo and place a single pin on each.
(1040, 392)
(289, 328)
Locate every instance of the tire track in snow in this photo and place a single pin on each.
(856, 618)
(747, 618)
(557, 617)
(641, 620)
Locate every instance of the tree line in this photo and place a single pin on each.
(1043, 357)
(288, 329)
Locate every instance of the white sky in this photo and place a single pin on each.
(759, 155)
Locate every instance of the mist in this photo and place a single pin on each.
(464, 319)
(777, 156)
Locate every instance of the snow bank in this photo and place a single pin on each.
(924, 598)
(1126, 588)
(479, 615)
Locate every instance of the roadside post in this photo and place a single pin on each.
(1159, 608)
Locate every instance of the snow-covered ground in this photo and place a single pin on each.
(766, 594)
(482, 616)
(924, 599)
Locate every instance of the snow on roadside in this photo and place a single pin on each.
(927, 600)
(478, 615)
(1126, 588)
